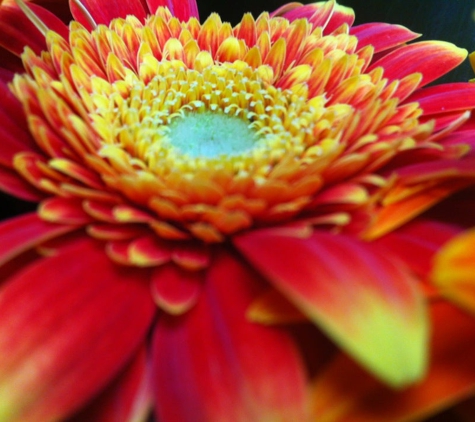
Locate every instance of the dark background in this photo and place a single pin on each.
(448, 20)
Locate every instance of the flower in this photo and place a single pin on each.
(232, 221)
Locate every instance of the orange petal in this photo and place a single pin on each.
(454, 270)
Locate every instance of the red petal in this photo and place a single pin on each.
(63, 211)
(126, 399)
(430, 58)
(103, 14)
(341, 15)
(454, 270)
(382, 36)
(212, 364)
(69, 323)
(50, 20)
(13, 184)
(359, 297)
(22, 233)
(18, 32)
(344, 393)
(13, 127)
(445, 98)
(417, 242)
(176, 290)
(182, 9)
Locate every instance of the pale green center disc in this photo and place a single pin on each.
(211, 135)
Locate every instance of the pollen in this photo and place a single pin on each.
(205, 130)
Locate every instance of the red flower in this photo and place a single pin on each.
(233, 222)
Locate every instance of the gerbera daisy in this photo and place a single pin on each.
(232, 222)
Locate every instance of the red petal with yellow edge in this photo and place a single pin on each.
(454, 270)
(68, 324)
(430, 58)
(363, 301)
(341, 15)
(344, 393)
(103, 14)
(182, 9)
(176, 290)
(382, 36)
(445, 98)
(212, 364)
(126, 399)
(22, 233)
(417, 242)
(63, 211)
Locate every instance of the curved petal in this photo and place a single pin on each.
(341, 15)
(174, 289)
(51, 21)
(365, 302)
(22, 233)
(13, 127)
(445, 98)
(126, 399)
(430, 58)
(328, 14)
(212, 364)
(102, 13)
(18, 32)
(344, 393)
(417, 243)
(68, 324)
(182, 9)
(13, 184)
(454, 270)
(382, 36)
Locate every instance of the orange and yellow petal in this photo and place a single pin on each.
(365, 302)
(453, 271)
(345, 393)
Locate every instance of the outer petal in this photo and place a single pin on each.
(344, 393)
(365, 302)
(102, 13)
(454, 270)
(417, 243)
(126, 399)
(68, 323)
(182, 9)
(214, 365)
(445, 98)
(17, 31)
(430, 58)
(25, 232)
(382, 36)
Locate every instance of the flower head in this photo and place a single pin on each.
(206, 194)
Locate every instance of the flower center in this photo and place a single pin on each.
(211, 135)
(202, 131)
